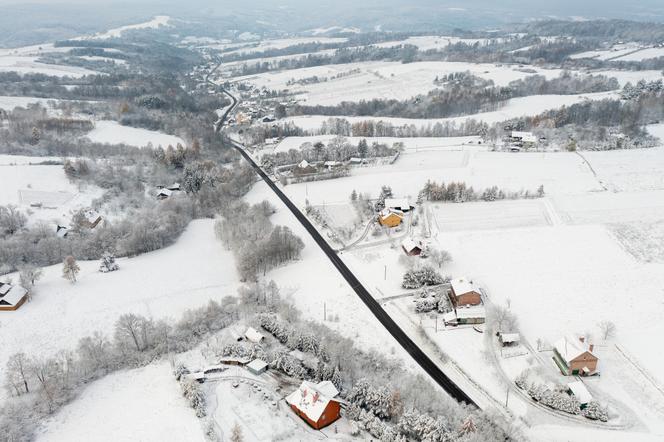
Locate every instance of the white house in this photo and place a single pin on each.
(253, 335)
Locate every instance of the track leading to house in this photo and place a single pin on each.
(399, 335)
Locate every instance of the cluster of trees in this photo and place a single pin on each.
(460, 192)
(258, 245)
(420, 277)
(337, 149)
(380, 128)
(642, 87)
(466, 97)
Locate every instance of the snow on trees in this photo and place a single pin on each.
(107, 263)
(191, 390)
(595, 411)
(374, 399)
(414, 279)
(11, 220)
(70, 269)
(424, 305)
(607, 328)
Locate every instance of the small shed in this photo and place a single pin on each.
(257, 366)
(508, 339)
(234, 360)
(579, 391)
(253, 335)
(164, 193)
(411, 247)
(91, 218)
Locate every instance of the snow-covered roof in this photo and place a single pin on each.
(253, 335)
(471, 312)
(397, 203)
(303, 164)
(327, 388)
(449, 317)
(409, 244)
(387, 212)
(462, 286)
(309, 400)
(165, 192)
(509, 337)
(92, 216)
(257, 365)
(331, 163)
(174, 186)
(230, 359)
(10, 295)
(580, 392)
(570, 348)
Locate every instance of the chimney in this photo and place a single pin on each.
(582, 339)
(591, 347)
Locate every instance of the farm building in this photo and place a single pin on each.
(61, 231)
(464, 292)
(522, 139)
(12, 296)
(175, 187)
(401, 204)
(315, 403)
(164, 193)
(579, 391)
(508, 339)
(91, 219)
(412, 247)
(390, 217)
(575, 357)
(253, 335)
(465, 315)
(257, 366)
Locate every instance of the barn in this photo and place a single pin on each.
(12, 296)
(464, 292)
(575, 357)
(390, 217)
(315, 403)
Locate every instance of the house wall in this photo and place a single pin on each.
(585, 360)
(414, 252)
(470, 298)
(331, 414)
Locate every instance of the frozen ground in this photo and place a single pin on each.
(24, 184)
(144, 404)
(284, 43)
(112, 132)
(643, 54)
(9, 103)
(616, 52)
(379, 79)
(30, 65)
(514, 108)
(429, 42)
(160, 284)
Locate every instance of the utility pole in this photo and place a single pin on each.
(324, 311)
(385, 273)
(507, 398)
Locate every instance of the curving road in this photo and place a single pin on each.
(399, 335)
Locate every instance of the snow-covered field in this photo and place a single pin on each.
(24, 184)
(9, 103)
(643, 54)
(429, 42)
(616, 51)
(160, 284)
(112, 132)
(157, 22)
(143, 404)
(266, 45)
(383, 79)
(30, 65)
(514, 108)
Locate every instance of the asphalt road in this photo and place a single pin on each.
(401, 337)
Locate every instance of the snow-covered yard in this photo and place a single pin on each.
(112, 132)
(160, 284)
(143, 404)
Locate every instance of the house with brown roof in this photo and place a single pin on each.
(464, 292)
(574, 356)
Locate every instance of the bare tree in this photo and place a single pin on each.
(17, 372)
(236, 435)
(11, 220)
(70, 269)
(440, 257)
(607, 328)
